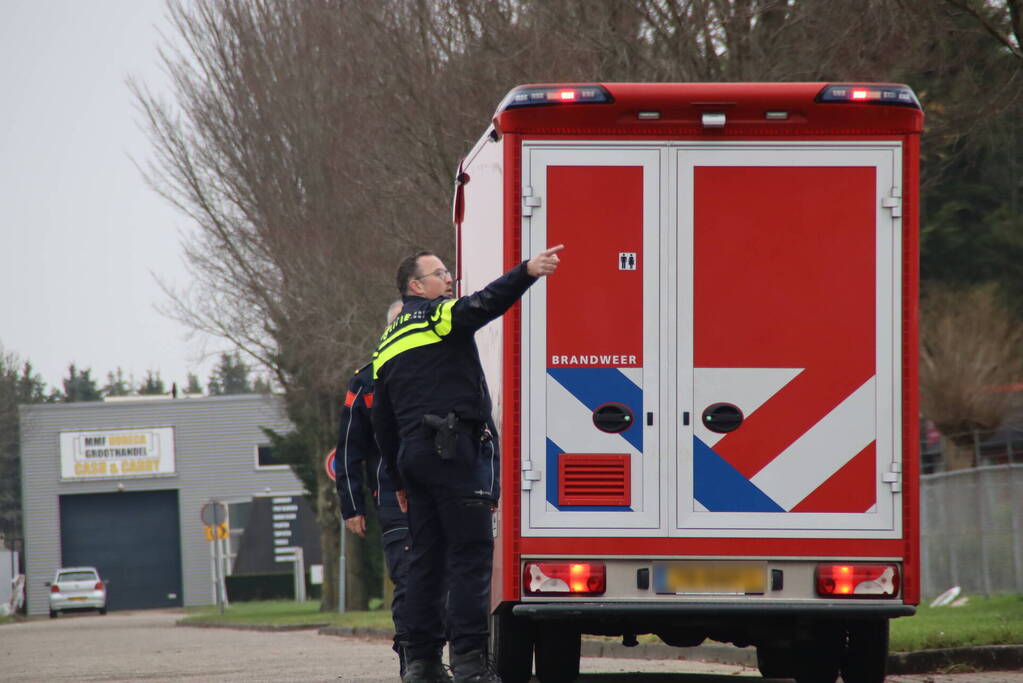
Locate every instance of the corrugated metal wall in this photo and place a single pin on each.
(215, 451)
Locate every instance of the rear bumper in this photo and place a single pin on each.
(789, 610)
(63, 604)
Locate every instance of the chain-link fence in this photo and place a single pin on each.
(971, 531)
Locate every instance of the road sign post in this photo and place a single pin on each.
(330, 464)
(214, 516)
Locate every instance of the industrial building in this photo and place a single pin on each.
(122, 485)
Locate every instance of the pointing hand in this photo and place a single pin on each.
(544, 263)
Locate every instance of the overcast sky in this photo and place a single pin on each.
(81, 234)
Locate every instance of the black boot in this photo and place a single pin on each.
(425, 671)
(474, 667)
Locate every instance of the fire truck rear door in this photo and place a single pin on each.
(789, 261)
(591, 348)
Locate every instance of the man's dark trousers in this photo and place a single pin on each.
(449, 517)
(397, 550)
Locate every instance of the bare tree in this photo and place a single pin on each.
(971, 347)
(1003, 20)
(264, 148)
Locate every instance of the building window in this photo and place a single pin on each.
(238, 514)
(267, 457)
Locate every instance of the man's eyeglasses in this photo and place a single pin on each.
(439, 273)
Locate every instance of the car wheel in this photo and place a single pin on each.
(53, 614)
(102, 610)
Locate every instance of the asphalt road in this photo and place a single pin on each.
(146, 645)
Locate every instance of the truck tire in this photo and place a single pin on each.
(511, 642)
(818, 659)
(775, 661)
(866, 654)
(557, 652)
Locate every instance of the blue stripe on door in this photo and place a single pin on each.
(720, 488)
(597, 386)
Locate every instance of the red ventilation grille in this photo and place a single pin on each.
(593, 479)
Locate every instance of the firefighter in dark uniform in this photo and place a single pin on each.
(430, 412)
(357, 460)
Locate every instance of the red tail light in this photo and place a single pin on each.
(586, 578)
(857, 580)
(98, 586)
(54, 588)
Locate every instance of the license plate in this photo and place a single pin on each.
(703, 578)
(81, 598)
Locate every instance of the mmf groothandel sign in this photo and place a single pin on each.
(143, 452)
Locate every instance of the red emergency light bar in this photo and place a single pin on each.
(898, 95)
(542, 95)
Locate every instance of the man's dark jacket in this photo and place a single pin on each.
(357, 459)
(427, 362)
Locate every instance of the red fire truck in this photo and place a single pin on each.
(708, 415)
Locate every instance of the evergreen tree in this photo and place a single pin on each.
(116, 384)
(16, 388)
(231, 376)
(194, 386)
(152, 385)
(79, 386)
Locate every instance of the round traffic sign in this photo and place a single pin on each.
(329, 465)
(213, 514)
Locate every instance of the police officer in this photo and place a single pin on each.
(429, 415)
(358, 460)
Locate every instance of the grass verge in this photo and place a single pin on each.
(981, 621)
(285, 613)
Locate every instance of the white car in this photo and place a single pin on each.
(77, 588)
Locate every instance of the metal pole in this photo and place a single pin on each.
(341, 602)
(223, 570)
(950, 540)
(984, 528)
(926, 575)
(213, 573)
(216, 572)
(299, 574)
(1014, 508)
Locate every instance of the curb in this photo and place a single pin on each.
(359, 631)
(251, 627)
(977, 658)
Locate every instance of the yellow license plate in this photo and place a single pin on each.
(81, 598)
(702, 578)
